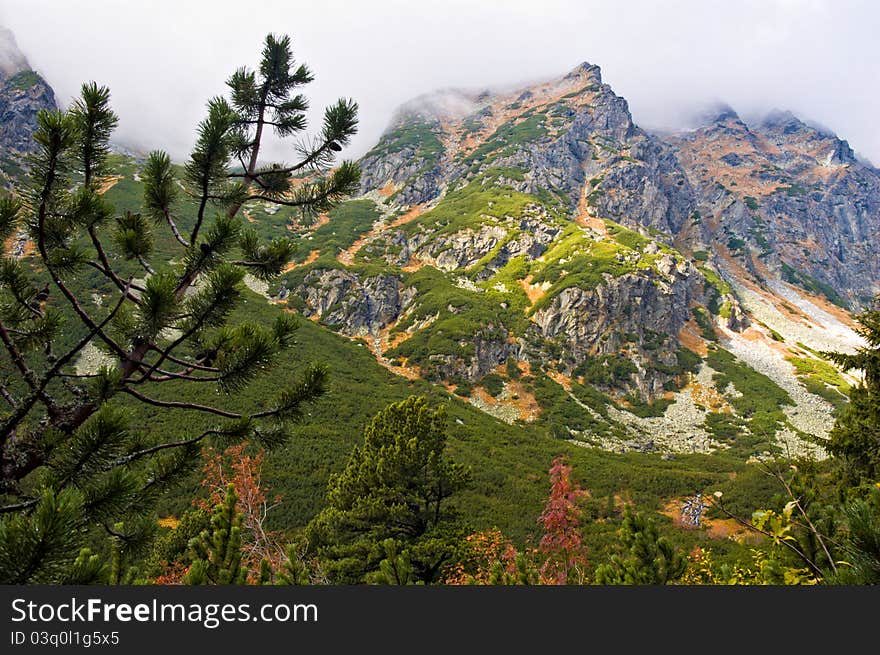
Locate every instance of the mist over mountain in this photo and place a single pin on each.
(809, 57)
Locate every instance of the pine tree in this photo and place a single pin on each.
(68, 460)
(394, 486)
(295, 569)
(216, 553)
(649, 559)
(855, 437)
(395, 569)
(861, 542)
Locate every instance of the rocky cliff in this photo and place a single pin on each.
(790, 201)
(23, 93)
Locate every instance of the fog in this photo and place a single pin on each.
(163, 60)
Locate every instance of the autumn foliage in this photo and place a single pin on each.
(483, 551)
(236, 466)
(562, 544)
(559, 559)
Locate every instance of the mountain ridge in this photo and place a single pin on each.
(552, 203)
(540, 255)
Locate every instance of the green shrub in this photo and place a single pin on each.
(493, 384)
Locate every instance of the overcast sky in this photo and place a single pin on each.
(163, 60)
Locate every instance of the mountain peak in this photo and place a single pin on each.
(585, 71)
(784, 120)
(719, 113)
(12, 60)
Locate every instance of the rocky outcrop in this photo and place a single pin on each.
(23, 93)
(462, 249)
(637, 313)
(22, 96)
(353, 305)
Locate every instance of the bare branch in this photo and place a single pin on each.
(787, 544)
(163, 446)
(7, 396)
(145, 265)
(173, 226)
(19, 506)
(196, 366)
(180, 405)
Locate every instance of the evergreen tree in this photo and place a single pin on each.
(394, 486)
(294, 570)
(855, 438)
(649, 559)
(861, 542)
(216, 553)
(68, 461)
(395, 569)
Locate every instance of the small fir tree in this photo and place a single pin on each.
(394, 486)
(649, 559)
(216, 553)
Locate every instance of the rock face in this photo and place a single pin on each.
(596, 322)
(21, 96)
(354, 305)
(23, 93)
(791, 199)
(804, 207)
(576, 130)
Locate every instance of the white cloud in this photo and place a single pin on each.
(163, 59)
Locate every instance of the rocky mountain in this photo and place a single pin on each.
(788, 201)
(539, 254)
(505, 242)
(23, 93)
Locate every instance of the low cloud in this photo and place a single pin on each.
(163, 60)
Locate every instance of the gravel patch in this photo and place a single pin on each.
(826, 333)
(810, 414)
(256, 285)
(91, 358)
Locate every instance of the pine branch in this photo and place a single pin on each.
(12, 421)
(98, 267)
(170, 404)
(27, 373)
(127, 459)
(182, 362)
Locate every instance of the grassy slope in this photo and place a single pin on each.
(508, 462)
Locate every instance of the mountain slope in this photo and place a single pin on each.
(524, 247)
(789, 201)
(543, 257)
